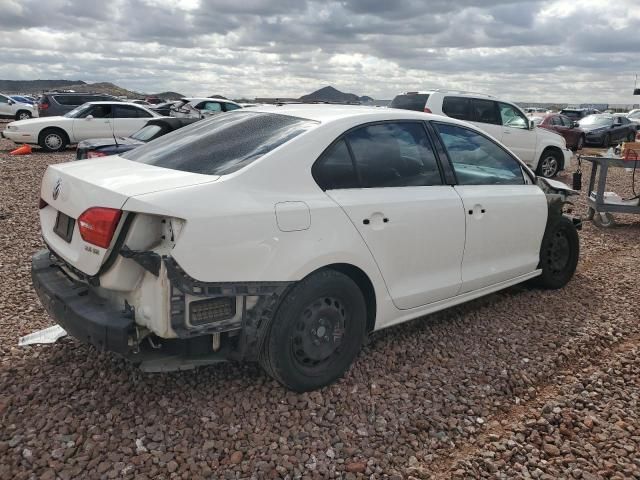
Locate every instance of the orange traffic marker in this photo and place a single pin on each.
(23, 150)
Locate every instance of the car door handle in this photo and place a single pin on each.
(367, 221)
(476, 209)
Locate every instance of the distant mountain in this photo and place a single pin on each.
(36, 86)
(218, 96)
(168, 95)
(366, 99)
(330, 94)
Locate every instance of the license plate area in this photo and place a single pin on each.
(64, 227)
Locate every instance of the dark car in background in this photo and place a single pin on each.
(576, 114)
(102, 147)
(54, 104)
(563, 125)
(164, 109)
(603, 129)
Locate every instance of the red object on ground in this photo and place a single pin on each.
(23, 150)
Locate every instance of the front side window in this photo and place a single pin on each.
(556, 121)
(231, 106)
(566, 121)
(394, 155)
(79, 112)
(478, 160)
(512, 117)
(221, 144)
(335, 169)
(3, 99)
(457, 107)
(129, 111)
(100, 111)
(485, 111)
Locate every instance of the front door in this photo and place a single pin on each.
(387, 180)
(516, 134)
(505, 212)
(96, 122)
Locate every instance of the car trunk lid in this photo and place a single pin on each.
(70, 189)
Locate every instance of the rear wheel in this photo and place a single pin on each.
(606, 141)
(559, 254)
(317, 332)
(549, 164)
(23, 115)
(580, 144)
(53, 140)
(631, 137)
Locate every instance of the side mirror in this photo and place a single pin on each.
(532, 125)
(89, 117)
(575, 125)
(10, 102)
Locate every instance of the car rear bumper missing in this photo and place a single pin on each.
(80, 312)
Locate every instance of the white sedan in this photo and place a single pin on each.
(287, 234)
(90, 120)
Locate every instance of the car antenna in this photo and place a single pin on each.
(113, 133)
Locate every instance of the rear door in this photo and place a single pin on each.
(128, 119)
(505, 212)
(96, 122)
(516, 133)
(386, 178)
(5, 108)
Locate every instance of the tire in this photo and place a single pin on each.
(606, 141)
(580, 144)
(631, 137)
(23, 115)
(53, 139)
(559, 254)
(549, 164)
(316, 333)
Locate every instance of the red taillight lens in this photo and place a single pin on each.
(42, 204)
(427, 110)
(96, 154)
(43, 106)
(98, 224)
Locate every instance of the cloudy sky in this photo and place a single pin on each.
(533, 50)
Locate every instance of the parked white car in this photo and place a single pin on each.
(202, 107)
(90, 120)
(287, 234)
(544, 151)
(11, 108)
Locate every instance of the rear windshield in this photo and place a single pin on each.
(222, 144)
(416, 101)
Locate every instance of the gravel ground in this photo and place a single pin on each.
(520, 384)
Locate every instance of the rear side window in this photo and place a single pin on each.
(457, 107)
(70, 99)
(222, 144)
(394, 155)
(334, 169)
(416, 101)
(231, 106)
(478, 160)
(485, 111)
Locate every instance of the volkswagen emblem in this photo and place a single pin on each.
(56, 188)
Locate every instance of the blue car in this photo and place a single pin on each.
(21, 99)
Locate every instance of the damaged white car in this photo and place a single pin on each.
(287, 234)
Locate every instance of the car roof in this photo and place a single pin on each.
(116, 102)
(328, 113)
(204, 99)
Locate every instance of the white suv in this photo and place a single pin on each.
(287, 234)
(10, 108)
(544, 151)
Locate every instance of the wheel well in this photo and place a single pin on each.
(366, 287)
(556, 150)
(55, 129)
(22, 110)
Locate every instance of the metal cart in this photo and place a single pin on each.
(601, 207)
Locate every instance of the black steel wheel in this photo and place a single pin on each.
(316, 333)
(559, 254)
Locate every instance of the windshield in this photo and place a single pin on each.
(78, 111)
(596, 121)
(147, 132)
(221, 144)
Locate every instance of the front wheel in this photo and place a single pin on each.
(53, 140)
(23, 115)
(549, 165)
(316, 333)
(559, 254)
(606, 141)
(580, 144)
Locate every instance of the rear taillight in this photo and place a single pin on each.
(43, 106)
(427, 110)
(94, 154)
(98, 224)
(42, 204)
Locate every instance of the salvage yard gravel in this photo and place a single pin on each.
(523, 383)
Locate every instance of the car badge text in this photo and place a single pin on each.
(56, 188)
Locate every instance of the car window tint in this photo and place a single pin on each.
(556, 121)
(3, 99)
(457, 107)
(231, 106)
(485, 111)
(394, 155)
(210, 106)
(69, 99)
(334, 169)
(221, 144)
(129, 111)
(566, 121)
(100, 111)
(410, 101)
(147, 132)
(511, 117)
(476, 159)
